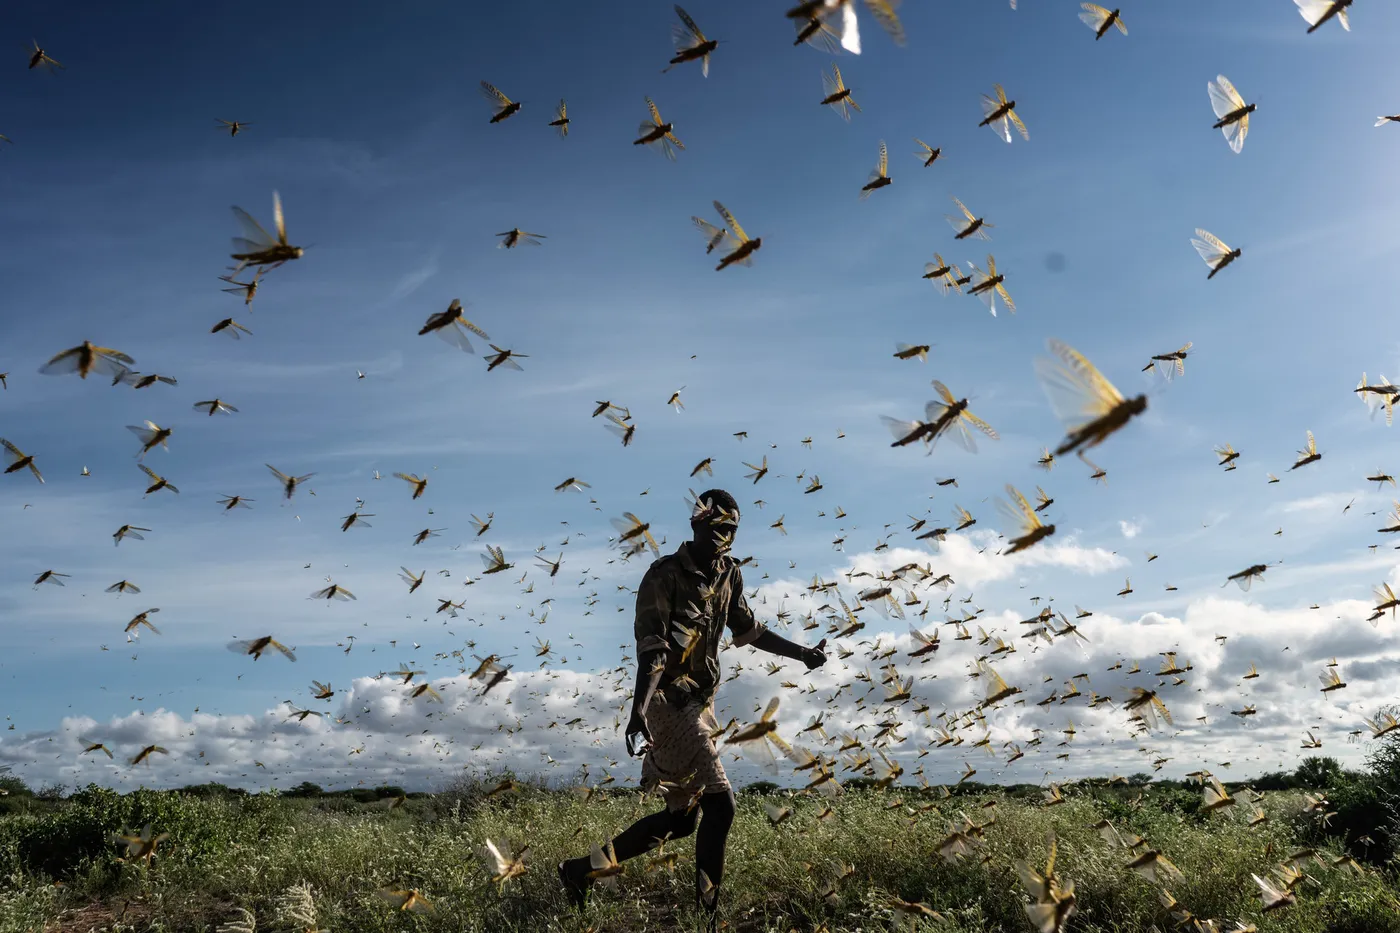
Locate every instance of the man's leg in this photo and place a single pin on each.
(716, 816)
(650, 831)
(642, 836)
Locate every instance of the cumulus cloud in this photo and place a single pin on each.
(973, 558)
(372, 733)
(1129, 529)
(551, 720)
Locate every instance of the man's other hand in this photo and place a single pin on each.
(638, 735)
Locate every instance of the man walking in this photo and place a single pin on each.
(685, 602)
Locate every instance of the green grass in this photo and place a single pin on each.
(225, 854)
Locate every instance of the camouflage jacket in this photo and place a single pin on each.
(675, 592)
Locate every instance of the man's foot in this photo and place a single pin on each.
(707, 901)
(573, 875)
(709, 912)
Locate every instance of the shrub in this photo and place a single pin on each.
(1275, 780)
(57, 844)
(1178, 799)
(243, 854)
(213, 789)
(1318, 771)
(76, 836)
(15, 804)
(304, 789)
(1360, 812)
(338, 804)
(14, 787)
(1383, 762)
(1361, 809)
(466, 793)
(51, 792)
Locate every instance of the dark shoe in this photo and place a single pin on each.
(710, 913)
(574, 877)
(707, 902)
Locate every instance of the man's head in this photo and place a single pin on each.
(714, 523)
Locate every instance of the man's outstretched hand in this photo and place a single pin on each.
(815, 656)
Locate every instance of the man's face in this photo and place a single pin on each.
(716, 528)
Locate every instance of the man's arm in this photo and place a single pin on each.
(649, 670)
(774, 643)
(749, 631)
(653, 614)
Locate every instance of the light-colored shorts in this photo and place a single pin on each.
(682, 752)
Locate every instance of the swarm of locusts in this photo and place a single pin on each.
(874, 718)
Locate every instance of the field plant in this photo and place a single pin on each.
(303, 863)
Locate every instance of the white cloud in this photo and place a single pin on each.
(1129, 529)
(1328, 504)
(973, 558)
(527, 723)
(386, 737)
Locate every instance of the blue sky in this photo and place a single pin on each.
(117, 193)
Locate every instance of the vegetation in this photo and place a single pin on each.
(273, 862)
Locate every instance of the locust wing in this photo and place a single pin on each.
(1078, 393)
(489, 92)
(736, 231)
(1209, 247)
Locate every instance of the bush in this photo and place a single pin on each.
(76, 837)
(226, 851)
(859, 783)
(212, 789)
(1275, 780)
(1383, 761)
(1361, 813)
(1361, 807)
(1318, 772)
(337, 804)
(56, 845)
(16, 803)
(14, 787)
(1178, 799)
(51, 792)
(304, 789)
(1383, 758)
(467, 793)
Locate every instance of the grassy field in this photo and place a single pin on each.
(61, 870)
